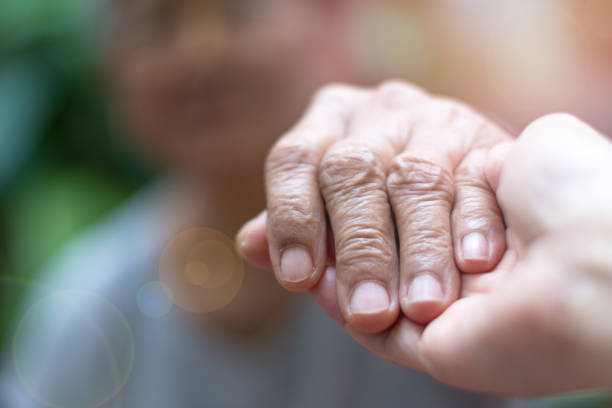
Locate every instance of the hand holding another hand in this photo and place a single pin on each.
(537, 322)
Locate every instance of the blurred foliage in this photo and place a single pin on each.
(62, 161)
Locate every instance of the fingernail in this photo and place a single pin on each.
(475, 247)
(241, 240)
(296, 265)
(369, 298)
(241, 237)
(425, 287)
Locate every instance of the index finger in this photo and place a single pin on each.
(296, 221)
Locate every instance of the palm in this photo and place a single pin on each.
(494, 338)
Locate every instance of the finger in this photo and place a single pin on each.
(496, 157)
(421, 194)
(480, 283)
(296, 216)
(352, 183)
(477, 222)
(324, 293)
(400, 344)
(352, 179)
(421, 189)
(252, 242)
(479, 234)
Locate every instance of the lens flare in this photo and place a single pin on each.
(73, 324)
(201, 269)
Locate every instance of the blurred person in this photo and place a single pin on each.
(205, 87)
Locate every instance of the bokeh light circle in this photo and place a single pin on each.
(197, 273)
(74, 326)
(202, 270)
(154, 299)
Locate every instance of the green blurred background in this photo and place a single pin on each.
(61, 163)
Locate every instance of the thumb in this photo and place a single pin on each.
(496, 158)
(558, 172)
(252, 242)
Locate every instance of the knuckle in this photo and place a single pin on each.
(291, 184)
(427, 242)
(475, 201)
(476, 212)
(292, 215)
(488, 134)
(450, 113)
(288, 157)
(411, 177)
(364, 245)
(451, 122)
(472, 181)
(395, 93)
(471, 217)
(350, 167)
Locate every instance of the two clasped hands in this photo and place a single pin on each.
(444, 244)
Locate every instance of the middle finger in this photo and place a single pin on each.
(353, 184)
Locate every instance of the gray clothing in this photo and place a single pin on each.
(74, 349)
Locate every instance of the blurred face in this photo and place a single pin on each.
(208, 84)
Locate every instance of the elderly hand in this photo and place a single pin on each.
(400, 175)
(540, 322)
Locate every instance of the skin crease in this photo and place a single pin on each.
(367, 158)
(539, 323)
(184, 70)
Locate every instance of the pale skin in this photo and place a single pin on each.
(534, 323)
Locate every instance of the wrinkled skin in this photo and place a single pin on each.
(387, 164)
(538, 323)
